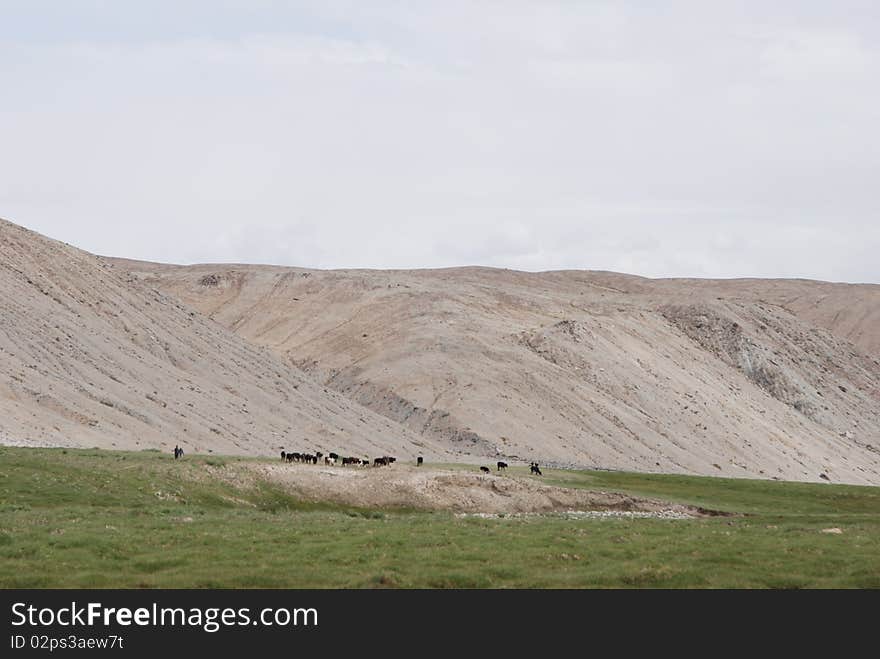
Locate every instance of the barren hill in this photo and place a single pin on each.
(89, 356)
(739, 378)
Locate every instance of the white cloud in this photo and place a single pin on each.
(721, 140)
(816, 55)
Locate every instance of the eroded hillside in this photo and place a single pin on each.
(89, 356)
(579, 368)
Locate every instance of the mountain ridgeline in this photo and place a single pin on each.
(744, 378)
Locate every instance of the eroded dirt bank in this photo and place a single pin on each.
(455, 490)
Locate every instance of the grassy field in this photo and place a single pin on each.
(91, 518)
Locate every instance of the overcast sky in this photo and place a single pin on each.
(720, 139)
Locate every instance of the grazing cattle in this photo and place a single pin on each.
(380, 462)
(283, 455)
(535, 469)
(293, 457)
(349, 461)
(334, 456)
(501, 465)
(485, 470)
(419, 461)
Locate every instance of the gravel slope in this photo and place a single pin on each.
(577, 368)
(90, 356)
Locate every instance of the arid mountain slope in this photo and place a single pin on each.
(89, 356)
(852, 311)
(584, 368)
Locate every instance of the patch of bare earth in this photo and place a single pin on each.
(401, 486)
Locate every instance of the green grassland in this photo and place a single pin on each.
(105, 519)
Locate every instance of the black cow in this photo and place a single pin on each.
(333, 456)
(485, 470)
(501, 465)
(380, 462)
(283, 456)
(419, 461)
(535, 469)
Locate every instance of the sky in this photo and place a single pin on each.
(704, 139)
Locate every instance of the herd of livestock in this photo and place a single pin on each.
(334, 458)
(384, 461)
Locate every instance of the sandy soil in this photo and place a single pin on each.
(459, 491)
